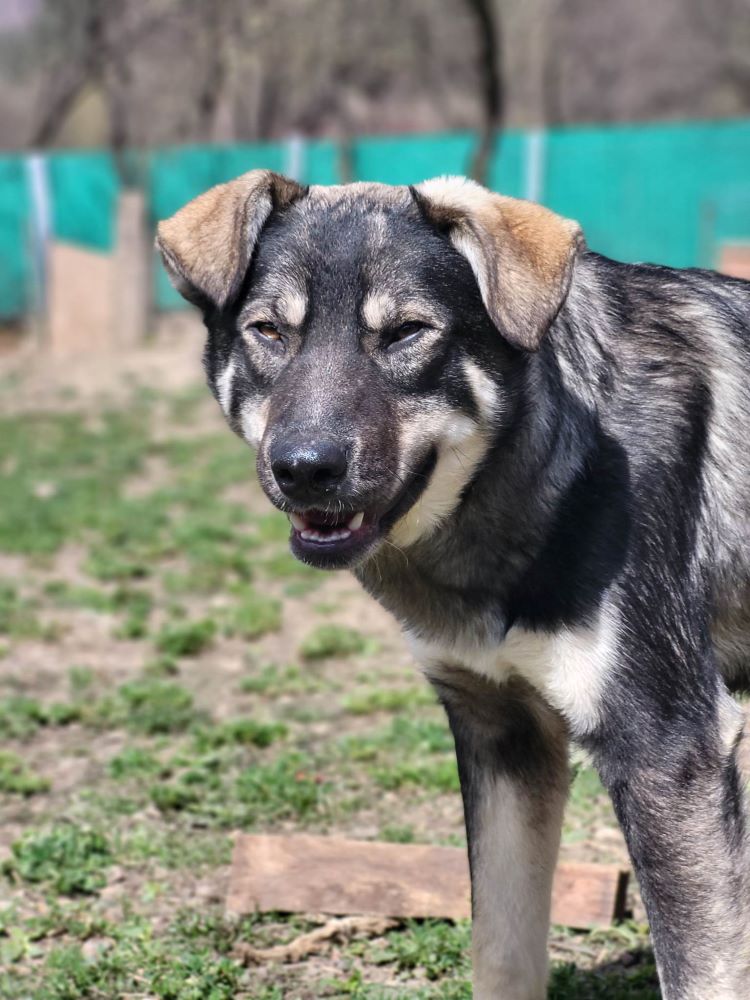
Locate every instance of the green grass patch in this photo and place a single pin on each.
(272, 527)
(388, 700)
(408, 752)
(254, 615)
(81, 679)
(568, 982)
(70, 475)
(67, 858)
(209, 785)
(178, 965)
(185, 638)
(174, 846)
(136, 605)
(286, 788)
(133, 762)
(238, 732)
(154, 706)
(329, 640)
(283, 566)
(21, 716)
(17, 778)
(18, 618)
(397, 834)
(69, 595)
(406, 737)
(434, 947)
(274, 680)
(436, 776)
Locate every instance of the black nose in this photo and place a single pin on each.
(306, 472)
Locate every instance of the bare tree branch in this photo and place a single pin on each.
(491, 89)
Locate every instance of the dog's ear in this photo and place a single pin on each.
(521, 254)
(206, 247)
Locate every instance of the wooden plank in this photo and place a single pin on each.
(304, 873)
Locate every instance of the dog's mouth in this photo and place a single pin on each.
(333, 540)
(327, 539)
(324, 528)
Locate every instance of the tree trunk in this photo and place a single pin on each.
(489, 41)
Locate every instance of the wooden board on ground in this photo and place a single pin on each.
(304, 873)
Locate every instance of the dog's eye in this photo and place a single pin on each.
(267, 330)
(407, 331)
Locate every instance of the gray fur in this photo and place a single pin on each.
(590, 573)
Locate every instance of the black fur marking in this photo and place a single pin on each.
(613, 493)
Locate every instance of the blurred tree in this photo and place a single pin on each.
(85, 46)
(487, 18)
(171, 71)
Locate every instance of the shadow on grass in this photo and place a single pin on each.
(633, 979)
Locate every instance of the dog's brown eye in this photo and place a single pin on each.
(267, 330)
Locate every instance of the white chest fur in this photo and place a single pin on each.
(568, 667)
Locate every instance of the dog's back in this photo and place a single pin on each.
(670, 379)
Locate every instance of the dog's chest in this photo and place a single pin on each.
(568, 667)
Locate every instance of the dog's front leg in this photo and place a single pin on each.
(666, 750)
(512, 761)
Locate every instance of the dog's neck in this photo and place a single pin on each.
(466, 574)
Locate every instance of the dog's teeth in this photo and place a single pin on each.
(356, 522)
(331, 536)
(297, 522)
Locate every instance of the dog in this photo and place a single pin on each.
(538, 460)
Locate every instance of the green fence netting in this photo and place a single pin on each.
(669, 192)
(16, 284)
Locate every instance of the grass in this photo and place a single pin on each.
(388, 700)
(254, 615)
(275, 681)
(286, 788)
(18, 619)
(169, 674)
(242, 732)
(18, 779)
(154, 706)
(432, 946)
(69, 859)
(21, 716)
(133, 762)
(185, 638)
(328, 640)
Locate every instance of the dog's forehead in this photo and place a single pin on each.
(363, 234)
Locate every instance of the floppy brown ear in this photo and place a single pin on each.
(206, 247)
(522, 254)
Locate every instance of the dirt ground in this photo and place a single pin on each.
(168, 674)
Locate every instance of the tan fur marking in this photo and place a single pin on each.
(381, 309)
(292, 307)
(384, 194)
(378, 310)
(206, 245)
(521, 253)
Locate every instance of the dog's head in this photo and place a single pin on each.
(364, 339)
